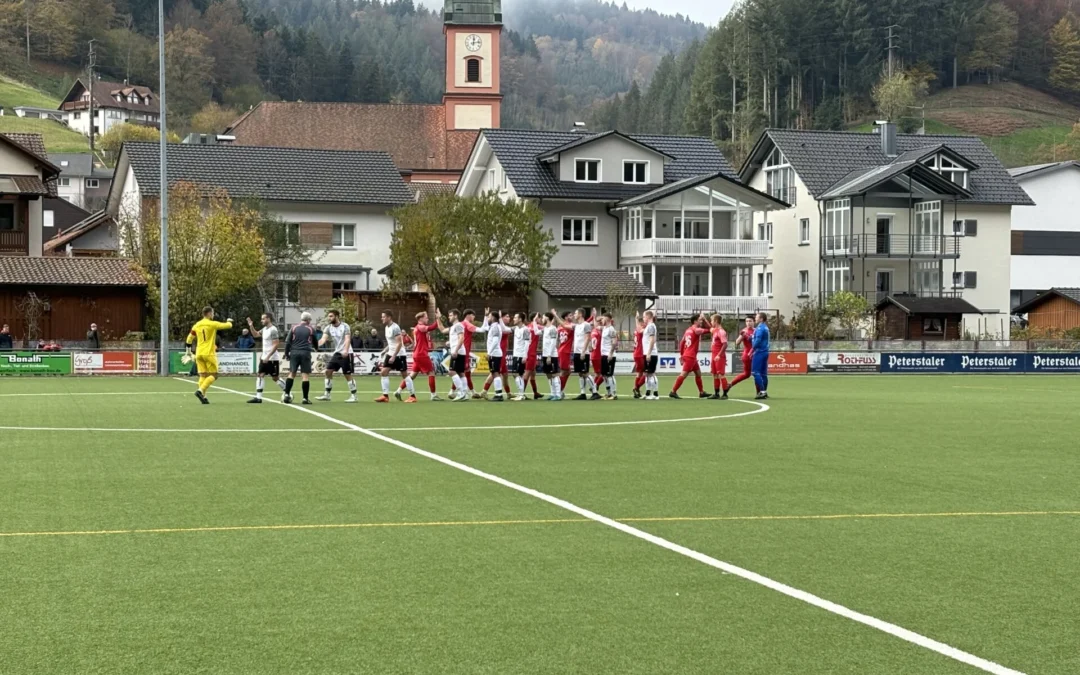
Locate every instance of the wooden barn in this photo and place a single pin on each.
(1056, 309)
(74, 293)
(907, 317)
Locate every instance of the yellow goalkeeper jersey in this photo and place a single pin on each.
(205, 331)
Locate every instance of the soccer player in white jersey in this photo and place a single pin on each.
(523, 344)
(395, 357)
(609, 345)
(582, 337)
(459, 357)
(649, 347)
(339, 335)
(494, 327)
(269, 359)
(550, 354)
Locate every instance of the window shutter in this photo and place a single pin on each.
(317, 235)
(958, 227)
(316, 293)
(971, 227)
(970, 279)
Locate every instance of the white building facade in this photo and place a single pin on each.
(113, 103)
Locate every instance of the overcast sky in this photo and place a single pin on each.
(705, 11)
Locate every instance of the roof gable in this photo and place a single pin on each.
(33, 147)
(1070, 294)
(912, 304)
(274, 174)
(822, 158)
(587, 139)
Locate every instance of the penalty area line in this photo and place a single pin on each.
(790, 591)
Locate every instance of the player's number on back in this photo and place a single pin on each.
(204, 335)
(689, 341)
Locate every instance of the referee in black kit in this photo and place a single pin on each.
(298, 349)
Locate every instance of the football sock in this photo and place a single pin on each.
(520, 384)
(431, 383)
(764, 382)
(280, 384)
(723, 382)
(716, 384)
(498, 385)
(288, 385)
(259, 387)
(487, 385)
(305, 386)
(207, 382)
(409, 385)
(386, 386)
(533, 383)
(581, 381)
(678, 382)
(638, 381)
(352, 386)
(562, 381)
(329, 385)
(457, 382)
(611, 386)
(468, 380)
(598, 381)
(697, 381)
(201, 378)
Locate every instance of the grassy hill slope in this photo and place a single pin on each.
(58, 138)
(14, 93)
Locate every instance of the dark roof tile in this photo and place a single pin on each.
(49, 271)
(917, 305)
(591, 283)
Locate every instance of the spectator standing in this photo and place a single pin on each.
(5, 338)
(357, 343)
(93, 337)
(374, 342)
(245, 341)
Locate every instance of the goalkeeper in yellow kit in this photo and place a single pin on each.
(205, 331)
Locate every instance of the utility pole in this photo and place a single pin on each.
(163, 359)
(892, 46)
(92, 62)
(26, 17)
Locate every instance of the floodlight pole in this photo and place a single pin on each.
(163, 359)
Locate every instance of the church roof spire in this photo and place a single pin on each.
(473, 12)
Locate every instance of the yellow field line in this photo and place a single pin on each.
(546, 521)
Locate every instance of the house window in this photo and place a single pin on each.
(927, 279)
(635, 172)
(837, 276)
(933, 326)
(965, 228)
(804, 231)
(338, 286)
(838, 226)
(77, 115)
(92, 183)
(505, 184)
(292, 233)
(48, 218)
(491, 179)
(579, 230)
(472, 70)
(636, 227)
(804, 283)
(695, 229)
(928, 227)
(964, 279)
(287, 292)
(780, 177)
(63, 182)
(7, 217)
(949, 169)
(761, 283)
(587, 170)
(768, 284)
(765, 233)
(344, 236)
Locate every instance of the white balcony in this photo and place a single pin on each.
(688, 305)
(742, 250)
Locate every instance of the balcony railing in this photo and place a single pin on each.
(14, 242)
(688, 305)
(696, 248)
(76, 105)
(877, 296)
(890, 246)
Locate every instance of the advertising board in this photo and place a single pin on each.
(843, 362)
(229, 363)
(787, 363)
(35, 363)
(1052, 363)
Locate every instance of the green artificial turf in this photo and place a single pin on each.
(423, 568)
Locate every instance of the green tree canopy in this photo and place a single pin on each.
(1065, 44)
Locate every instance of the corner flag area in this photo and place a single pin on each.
(920, 525)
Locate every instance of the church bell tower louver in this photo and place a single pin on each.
(472, 29)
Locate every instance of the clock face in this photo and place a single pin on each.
(473, 42)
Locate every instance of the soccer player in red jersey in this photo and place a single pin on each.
(719, 358)
(530, 361)
(566, 346)
(422, 364)
(690, 342)
(504, 367)
(746, 339)
(595, 355)
(639, 357)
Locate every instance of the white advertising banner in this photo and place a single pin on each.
(236, 363)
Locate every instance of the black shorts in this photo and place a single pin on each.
(458, 364)
(650, 365)
(300, 363)
(342, 362)
(581, 364)
(550, 365)
(271, 368)
(607, 366)
(518, 365)
(399, 364)
(495, 364)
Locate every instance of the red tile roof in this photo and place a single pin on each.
(414, 135)
(56, 271)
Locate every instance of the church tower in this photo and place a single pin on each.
(472, 29)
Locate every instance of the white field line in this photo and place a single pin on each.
(809, 598)
(176, 431)
(96, 393)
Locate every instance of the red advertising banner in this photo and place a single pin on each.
(787, 363)
(114, 363)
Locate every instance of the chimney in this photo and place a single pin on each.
(887, 131)
(579, 128)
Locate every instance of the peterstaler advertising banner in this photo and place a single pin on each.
(1053, 363)
(34, 363)
(844, 362)
(991, 363)
(919, 363)
(980, 363)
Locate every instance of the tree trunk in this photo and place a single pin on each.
(955, 67)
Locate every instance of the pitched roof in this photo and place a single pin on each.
(585, 139)
(591, 283)
(275, 174)
(822, 158)
(864, 180)
(916, 305)
(424, 190)
(105, 91)
(33, 145)
(50, 271)
(414, 135)
(88, 224)
(1037, 169)
(80, 164)
(1071, 294)
(694, 181)
(23, 185)
(518, 150)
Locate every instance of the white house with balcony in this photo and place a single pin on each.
(101, 105)
(668, 210)
(885, 214)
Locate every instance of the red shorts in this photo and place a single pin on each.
(564, 362)
(422, 364)
(597, 365)
(719, 364)
(639, 364)
(530, 363)
(690, 365)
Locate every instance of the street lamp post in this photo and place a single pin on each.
(163, 359)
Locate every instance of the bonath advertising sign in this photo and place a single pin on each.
(844, 362)
(34, 363)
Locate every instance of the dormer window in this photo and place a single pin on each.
(780, 177)
(587, 170)
(472, 69)
(949, 169)
(635, 172)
